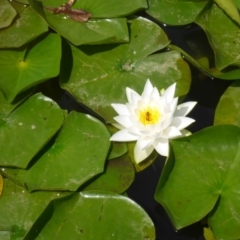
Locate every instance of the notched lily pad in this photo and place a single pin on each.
(27, 66)
(77, 154)
(7, 13)
(27, 129)
(201, 178)
(89, 215)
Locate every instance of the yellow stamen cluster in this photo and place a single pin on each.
(149, 115)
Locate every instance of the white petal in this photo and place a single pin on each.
(162, 146)
(181, 122)
(123, 136)
(185, 132)
(123, 120)
(121, 109)
(171, 132)
(184, 108)
(144, 142)
(132, 96)
(173, 105)
(148, 88)
(169, 93)
(155, 93)
(140, 155)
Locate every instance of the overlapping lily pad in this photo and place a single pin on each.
(201, 177)
(20, 210)
(26, 67)
(99, 75)
(24, 29)
(7, 13)
(27, 129)
(104, 26)
(174, 12)
(78, 153)
(223, 35)
(97, 215)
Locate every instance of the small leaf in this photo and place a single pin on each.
(23, 30)
(27, 129)
(77, 154)
(1, 184)
(96, 215)
(29, 65)
(7, 13)
(208, 234)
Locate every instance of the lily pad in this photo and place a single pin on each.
(117, 178)
(77, 154)
(99, 29)
(20, 209)
(27, 129)
(228, 109)
(96, 215)
(26, 67)
(99, 75)
(7, 13)
(174, 12)
(23, 30)
(201, 178)
(223, 35)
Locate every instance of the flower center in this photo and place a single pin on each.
(149, 115)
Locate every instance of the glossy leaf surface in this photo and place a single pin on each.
(24, 29)
(29, 65)
(7, 13)
(201, 177)
(174, 12)
(103, 27)
(27, 129)
(78, 153)
(89, 215)
(99, 75)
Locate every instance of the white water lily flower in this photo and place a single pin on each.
(151, 119)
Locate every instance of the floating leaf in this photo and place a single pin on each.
(1, 184)
(96, 215)
(20, 209)
(29, 65)
(27, 129)
(26, 28)
(174, 12)
(208, 235)
(223, 35)
(78, 153)
(228, 109)
(117, 178)
(94, 31)
(99, 75)
(7, 13)
(201, 178)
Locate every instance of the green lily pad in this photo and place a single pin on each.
(77, 154)
(223, 35)
(96, 215)
(99, 75)
(228, 109)
(117, 178)
(20, 209)
(201, 177)
(175, 12)
(28, 66)
(23, 30)
(7, 13)
(27, 129)
(95, 30)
